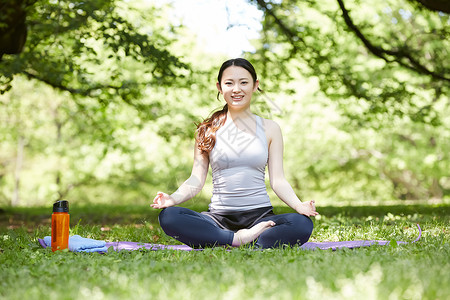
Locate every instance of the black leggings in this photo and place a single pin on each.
(198, 230)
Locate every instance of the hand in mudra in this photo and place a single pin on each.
(162, 200)
(308, 208)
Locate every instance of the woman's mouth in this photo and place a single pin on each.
(237, 98)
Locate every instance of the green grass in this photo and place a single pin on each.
(413, 271)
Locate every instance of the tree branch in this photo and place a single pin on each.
(82, 92)
(436, 5)
(385, 54)
(401, 56)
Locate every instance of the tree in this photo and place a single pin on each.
(385, 68)
(436, 5)
(82, 47)
(13, 29)
(97, 56)
(383, 56)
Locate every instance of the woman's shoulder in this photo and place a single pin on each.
(272, 130)
(270, 125)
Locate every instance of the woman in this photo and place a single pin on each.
(238, 146)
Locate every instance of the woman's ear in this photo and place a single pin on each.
(256, 85)
(219, 88)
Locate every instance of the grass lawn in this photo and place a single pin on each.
(413, 271)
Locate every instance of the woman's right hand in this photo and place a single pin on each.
(308, 208)
(162, 200)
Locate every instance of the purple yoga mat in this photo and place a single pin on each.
(117, 246)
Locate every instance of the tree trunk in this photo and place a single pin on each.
(436, 191)
(19, 162)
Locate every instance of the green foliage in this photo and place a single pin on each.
(363, 119)
(85, 47)
(412, 271)
(392, 63)
(102, 107)
(331, 160)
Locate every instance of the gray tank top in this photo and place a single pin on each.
(238, 162)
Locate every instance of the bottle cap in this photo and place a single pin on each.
(61, 206)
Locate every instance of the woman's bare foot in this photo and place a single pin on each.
(245, 236)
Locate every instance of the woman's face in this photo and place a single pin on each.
(237, 87)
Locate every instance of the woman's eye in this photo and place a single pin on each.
(244, 82)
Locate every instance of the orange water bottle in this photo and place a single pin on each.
(60, 225)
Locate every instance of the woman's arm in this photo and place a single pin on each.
(278, 181)
(191, 187)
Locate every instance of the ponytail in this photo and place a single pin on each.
(206, 131)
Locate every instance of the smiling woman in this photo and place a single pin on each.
(236, 78)
(238, 145)
(237, 87)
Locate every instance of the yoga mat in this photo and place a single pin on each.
(118, 246)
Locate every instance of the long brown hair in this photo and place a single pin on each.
(206, 130)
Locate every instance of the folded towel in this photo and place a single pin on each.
(81, 244)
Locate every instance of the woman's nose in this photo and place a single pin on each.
(236, 88)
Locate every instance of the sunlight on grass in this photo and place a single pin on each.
(410, 271)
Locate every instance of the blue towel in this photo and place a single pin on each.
(81, 244)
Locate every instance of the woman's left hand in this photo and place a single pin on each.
(308, 208)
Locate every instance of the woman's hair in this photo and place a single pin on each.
(206, 130)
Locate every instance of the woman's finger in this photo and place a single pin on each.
(158, 197)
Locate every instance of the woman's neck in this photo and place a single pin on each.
(240, 114)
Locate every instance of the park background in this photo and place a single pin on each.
(98, 105)
(101, 104)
